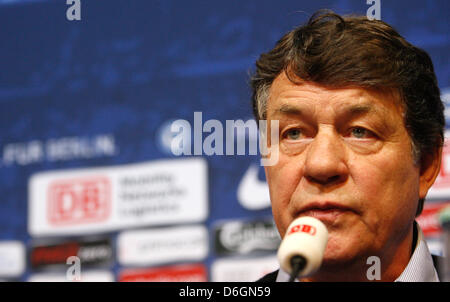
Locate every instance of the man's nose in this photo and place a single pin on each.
(325, 159)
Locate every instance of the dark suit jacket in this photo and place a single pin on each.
(270, 277)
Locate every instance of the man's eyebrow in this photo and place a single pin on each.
(288, 109)
(352, 110)
(358, 109)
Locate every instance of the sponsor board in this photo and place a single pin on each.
(175, 273)
(435, 245)
(12, 259)
(98, 252)
(445, 97)
(163, 245)
(243, 270)
(441, 187)
(93, 200)
(88, 276)
(429, 218)
(243, 237)
(253, 193)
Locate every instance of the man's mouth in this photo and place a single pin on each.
(324, 211)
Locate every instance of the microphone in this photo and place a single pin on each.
(301, 251)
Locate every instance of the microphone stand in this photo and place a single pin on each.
(298, 263)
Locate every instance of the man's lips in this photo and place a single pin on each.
(324, 211)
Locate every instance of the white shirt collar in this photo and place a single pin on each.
(420, 267)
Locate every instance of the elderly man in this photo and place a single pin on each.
(360, 140)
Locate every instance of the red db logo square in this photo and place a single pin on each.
(79, 201)
(303, 228)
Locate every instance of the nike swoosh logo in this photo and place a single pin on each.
(253, 194)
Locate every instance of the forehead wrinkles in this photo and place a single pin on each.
(351, 105)
(289, 98)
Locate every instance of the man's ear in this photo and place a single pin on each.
(430, 165)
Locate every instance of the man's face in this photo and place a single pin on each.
(345, 158)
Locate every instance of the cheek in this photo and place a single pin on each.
(283, 180)
(387, 190)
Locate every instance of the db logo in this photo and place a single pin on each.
(303, 228)
(79, 201)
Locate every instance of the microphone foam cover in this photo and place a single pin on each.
(307, 237)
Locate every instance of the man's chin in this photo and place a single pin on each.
(340, 257)
(337, 263)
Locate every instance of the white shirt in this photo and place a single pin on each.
(420, 267)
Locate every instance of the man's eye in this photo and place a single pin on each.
(293, 134)
(360, 132)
